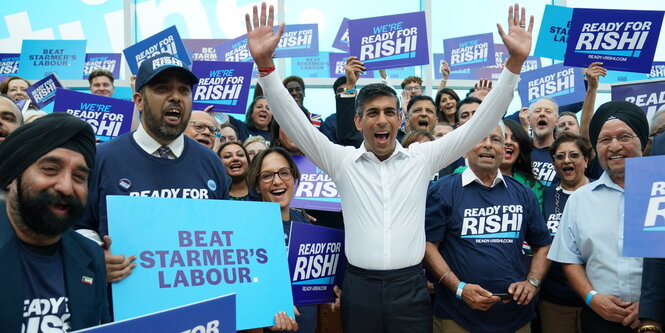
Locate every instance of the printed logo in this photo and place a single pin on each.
(493, 224)
(621, 39)
(212, 185)
(124, 184)
(655, 217)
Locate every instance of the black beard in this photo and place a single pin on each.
(158, 127)
(37, 217)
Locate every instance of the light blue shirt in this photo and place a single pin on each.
(591, 234)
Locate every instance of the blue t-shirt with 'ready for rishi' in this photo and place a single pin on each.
(480, 231)
(543, 166)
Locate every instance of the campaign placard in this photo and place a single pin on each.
(199, 249)
(341, 41)
(166, 41)
(42, 92)
(390, 41)
(500, 56)
(298, 40)
(40, 58)
(623, 40)
(657, 70)
(316, 262)
(563, 84)
(316, 190)
(9, 63)
(337, 63)
(455, 74)
(469, 51)
(225, 84)
(107, 61)
(553, 34)
(311, 67)
(216, 315)
(644, 218)
(399, 73)
(234, 50)
(203, 49)
(109, 117)
(649, 95)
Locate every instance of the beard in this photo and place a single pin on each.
(36, 215)
(158, 127)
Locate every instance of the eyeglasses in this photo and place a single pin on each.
(200, 127)
(283, 173)
(623, 138)
(573, 156)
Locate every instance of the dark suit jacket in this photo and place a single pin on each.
(658, 145)
(88, 304)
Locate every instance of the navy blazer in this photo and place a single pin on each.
(81, 257)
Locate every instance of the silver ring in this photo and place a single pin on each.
(522, 25)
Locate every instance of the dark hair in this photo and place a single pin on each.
(437, 101)
(582, 143)
(415, 136)
(415, 99)
(100, 72)
(523, 162)
(219, 150)
(371, 91)
(255, 166)
(250, 110)
(340, 81)
(295, 78)
(223, 126)
(4, 86)
(467, 100)
(410, 79)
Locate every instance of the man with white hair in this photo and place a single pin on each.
(543, 115)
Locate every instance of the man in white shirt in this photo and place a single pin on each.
(383, 185)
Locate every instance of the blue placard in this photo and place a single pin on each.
(563, 84)
(203, 49)
(316, 190)
(657, 70)
(216, 315)
(337, 62)
(553, 34)
(224, 84)
(109, 117)
(298, 40)
(457, 74)
(166, 41)
(190, 250)
(469, 51)
(649, 96)
(9, 63)
(40, 58)
(312, 67)
(644, 219)
(42, 92)
(341, 41)
(234, 50)
(623, 40)
(107, 61)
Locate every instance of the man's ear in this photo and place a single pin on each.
(358, 122)
(138, 100)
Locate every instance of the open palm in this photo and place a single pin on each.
(261, 39)
(518, 38)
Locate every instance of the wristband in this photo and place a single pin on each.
(589, 296)
(460, 288)
(264, 71)
(351, 91)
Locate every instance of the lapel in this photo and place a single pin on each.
(11, 279)
(77, 266)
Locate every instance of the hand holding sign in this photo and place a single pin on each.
(593, 72)
(261, 39)
(518, 40)
(353, 69)
(117, 266)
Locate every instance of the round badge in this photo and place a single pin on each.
(124, 184)
(212, 185)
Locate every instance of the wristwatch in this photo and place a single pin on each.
(534, 282)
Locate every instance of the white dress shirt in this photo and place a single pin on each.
(150, 146)
(384, 202)
(468, 177)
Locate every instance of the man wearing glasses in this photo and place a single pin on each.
(202, 128)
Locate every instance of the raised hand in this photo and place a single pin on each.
(261, 39)
(353, 68)
(518, 39)
(445, 70)
(593, 72)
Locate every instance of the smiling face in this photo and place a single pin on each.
(254, 148)
(612, 154)
(102, 85)
(198, 128)
(279, 189)
(379, 125)
(413, 89)
(570, 164)
(448, 105)
(467, 111)
(567, 123)
(511, 149)
(422, 116)
(16, 90)
(296, 91)
(543, 118)
(234, 159)
(261, 114)
(486, 156)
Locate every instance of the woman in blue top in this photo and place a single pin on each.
(257, 120)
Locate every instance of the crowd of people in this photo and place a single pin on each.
(457, 216)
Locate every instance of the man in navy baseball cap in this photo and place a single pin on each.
(152, 67)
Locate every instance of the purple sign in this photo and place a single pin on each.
(501, 54)
(457, 74)
(469, 51)
(9, 63)
(563, 84)
(203, 49)
(623, 40)
(235, 50)
(109, 117)
(298, 40)
(225, 84)
(315, 190)
(341, 41)
(657, 70)
(316, 263)
(42, 92)
(649, 96)
(390, 41)
(337, 64)
(107, 61)
(166, 41)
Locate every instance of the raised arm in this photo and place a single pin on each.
(593, 72)
(347, 133)
(445, 72)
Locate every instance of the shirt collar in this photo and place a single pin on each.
(468, 177)
(150, 146)
(362, 151)
(606, 181)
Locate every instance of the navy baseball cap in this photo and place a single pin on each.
(152, 67)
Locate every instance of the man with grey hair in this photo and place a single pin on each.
(543, 115)
(202, 128)
(10, 117)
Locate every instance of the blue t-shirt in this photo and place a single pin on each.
(46, 306)
(124, 168)
(555, 287)
(481, 231)
(543, 167)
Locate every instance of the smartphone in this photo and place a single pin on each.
(504, 296)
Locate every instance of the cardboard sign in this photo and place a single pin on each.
(623, 40)
(216, 315)
(649, 96)
(563, 84)
(455, 74)
(40, 58)
(166, 41)
(298, 40)
(553, 34)
(390, 41)
(316, 262)
(469, 51)
(42, 92)
(9, 63)
(109, 117)
(234, 50)
(644, 218)
(315, 190)
(338, 62)
(500, 56)
(311, 67)
(203, 49)
(107, 61)
(341, 41)
(225, 84)
(199, 249)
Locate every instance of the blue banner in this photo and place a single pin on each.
(42, 92)
(224, 84)
(341, 41)
(107, 61)
(337, 63)
(316, 190)
(500, 56)
(553, 34)
(298, 40)
(469, 51)
(649, 96)
(312, 67)
(203, 49)
(316, 262)
(40, 58)
(9, 63)
(216, 315)
(623, 40)
(457, 74)
(563, 84)
(166, 41)
(199, 249)
(644, 219)
(234, 50)
(109, 117)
